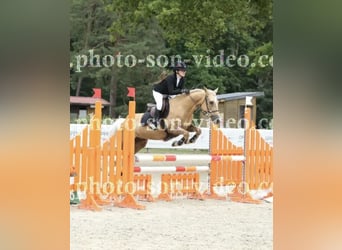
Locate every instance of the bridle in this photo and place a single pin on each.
(208, 112)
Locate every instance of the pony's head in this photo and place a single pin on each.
(210, 105)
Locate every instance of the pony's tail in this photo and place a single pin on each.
(161, 77)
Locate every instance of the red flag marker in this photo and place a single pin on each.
(97, 93)
(131, 92)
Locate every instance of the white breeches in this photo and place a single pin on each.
(158, 98)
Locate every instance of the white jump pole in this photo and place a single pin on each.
(182, 160)
(169, 169)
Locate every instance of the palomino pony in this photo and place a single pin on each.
(180, 118)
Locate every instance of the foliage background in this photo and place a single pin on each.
(174, 27)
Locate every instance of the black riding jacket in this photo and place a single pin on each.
(168, 85)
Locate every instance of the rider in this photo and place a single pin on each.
(172, 85)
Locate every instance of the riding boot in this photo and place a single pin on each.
(156, 117)
(153, 123)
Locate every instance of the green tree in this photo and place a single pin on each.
(88, 31)
(98, 27)
(174, 27)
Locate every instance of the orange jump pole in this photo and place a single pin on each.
(93, 163)
(241, 193)
(215, 147)
(90, 202)
(128, 143)
(96, 142)
(227, 171)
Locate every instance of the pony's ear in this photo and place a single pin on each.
(205, 89)
(216, 90)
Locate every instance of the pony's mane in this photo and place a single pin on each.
(196, 90)
(192, 91)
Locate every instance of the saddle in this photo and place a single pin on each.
(151, 109)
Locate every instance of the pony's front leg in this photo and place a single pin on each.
(183, 140)
(197, 131)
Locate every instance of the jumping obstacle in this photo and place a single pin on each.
(169, 169)
(254, 173)
(188, 182)
(107, 168)
(188, 159)
(111, 173)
